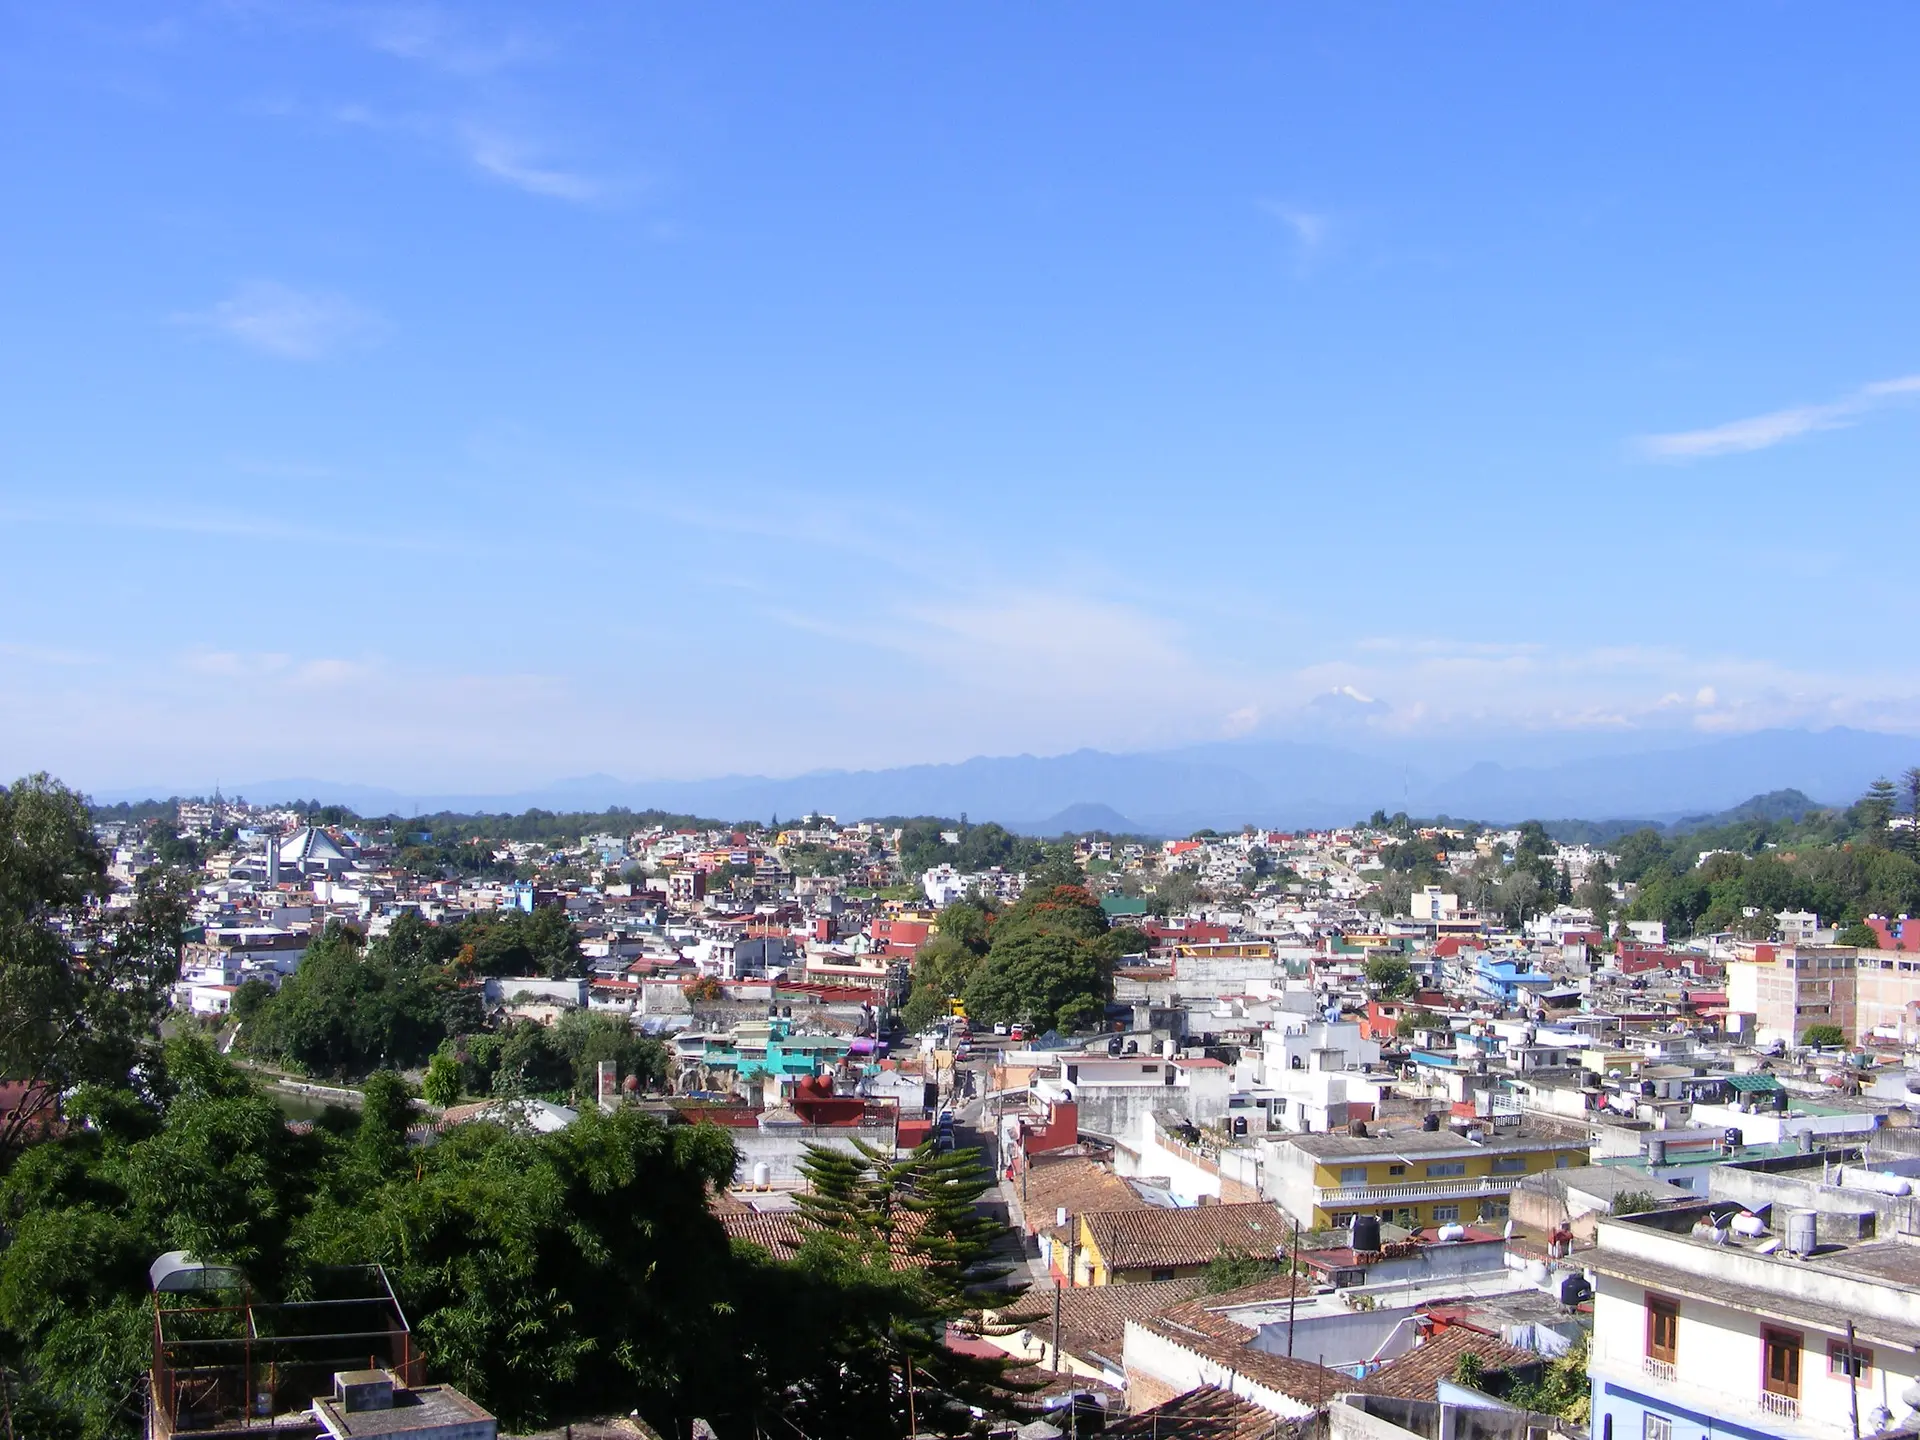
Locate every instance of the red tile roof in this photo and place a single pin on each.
(1158, 1239)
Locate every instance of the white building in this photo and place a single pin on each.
(1711, 1331)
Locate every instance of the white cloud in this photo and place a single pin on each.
(429, 35)
(509, 161)
(291, 324)
(1761, 432)
(1310, 227)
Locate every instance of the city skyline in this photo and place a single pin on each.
(464, 398)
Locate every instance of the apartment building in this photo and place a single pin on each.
(1414, 1176)
(1704, 1330)
(1780, 990)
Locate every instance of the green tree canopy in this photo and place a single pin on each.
(1050, 963)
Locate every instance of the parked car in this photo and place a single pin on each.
(1001, 1028)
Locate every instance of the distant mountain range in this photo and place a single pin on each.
(1286, 784)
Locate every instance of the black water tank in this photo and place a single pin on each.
(1430, 1121)
(1366, 1233)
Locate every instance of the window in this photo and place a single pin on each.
(1353, 1174)
(1562, 1162)
(1657, 1427)
(1163, 1274)
(1149, 1069)
(1782, 1354)
(1663, 1328)
(1447, 1167)
(1509, 1164)
(1445, 1214)
(1848, 1362)
(1396, 1169)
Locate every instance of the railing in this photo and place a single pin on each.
(1419, 1190)
(1786, 1407)
(1661, 1370)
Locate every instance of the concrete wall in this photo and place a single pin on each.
(784, 1147)
(1157, 1366)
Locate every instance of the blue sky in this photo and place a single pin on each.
(472, 395)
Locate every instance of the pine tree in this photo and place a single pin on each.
(1876, 809)
(1908, 839)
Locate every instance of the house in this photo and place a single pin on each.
(1121, 1247)
(1701, 1327)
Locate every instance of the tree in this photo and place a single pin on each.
(1859, 934)
(904, 1237)
(1633, 1202)
(1389, 977)
(1232, 1269)
(1175, 891)
(80, 995)
(588, 1039)
(346, 1011)
(442, 1085)
(1909, 836)
(1050, 962)
(1519, 895)
(1876, 810)
(1823, 1036)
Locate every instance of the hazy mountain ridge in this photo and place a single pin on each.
(1286, 784)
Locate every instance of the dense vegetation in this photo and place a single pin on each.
(981, 847)
(354, 1007)
(1047, 960)
(1840, 864)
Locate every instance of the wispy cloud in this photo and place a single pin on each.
(507, 160)
(429, 35)
(291, 324)
(1310, 228)
(1761, 432)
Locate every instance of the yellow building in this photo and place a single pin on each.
(1415, 1177)
(1130, 1247)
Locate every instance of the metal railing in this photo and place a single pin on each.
(1786, 1407)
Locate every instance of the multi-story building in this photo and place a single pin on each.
(1781, 990)
(1886, 996)
(1414, 1176)
(1700, 1330)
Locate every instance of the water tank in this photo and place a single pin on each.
(1802, 1231)
(1430, 1121)
(762, 1175)
(1852, 1177)
(1656, 1150)
(1366, 1233)
(1751, 1226)
(1574, 1290)
(1780, 1101)
(1453, 1232)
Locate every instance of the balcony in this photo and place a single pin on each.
(1463, 1187)
(1783, 1407)
(1782, 1414)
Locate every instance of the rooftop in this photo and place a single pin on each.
(1149, 1239)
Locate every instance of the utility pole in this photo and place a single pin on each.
(1853, 1382)
(1293, 1285)
(1056, 1331)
